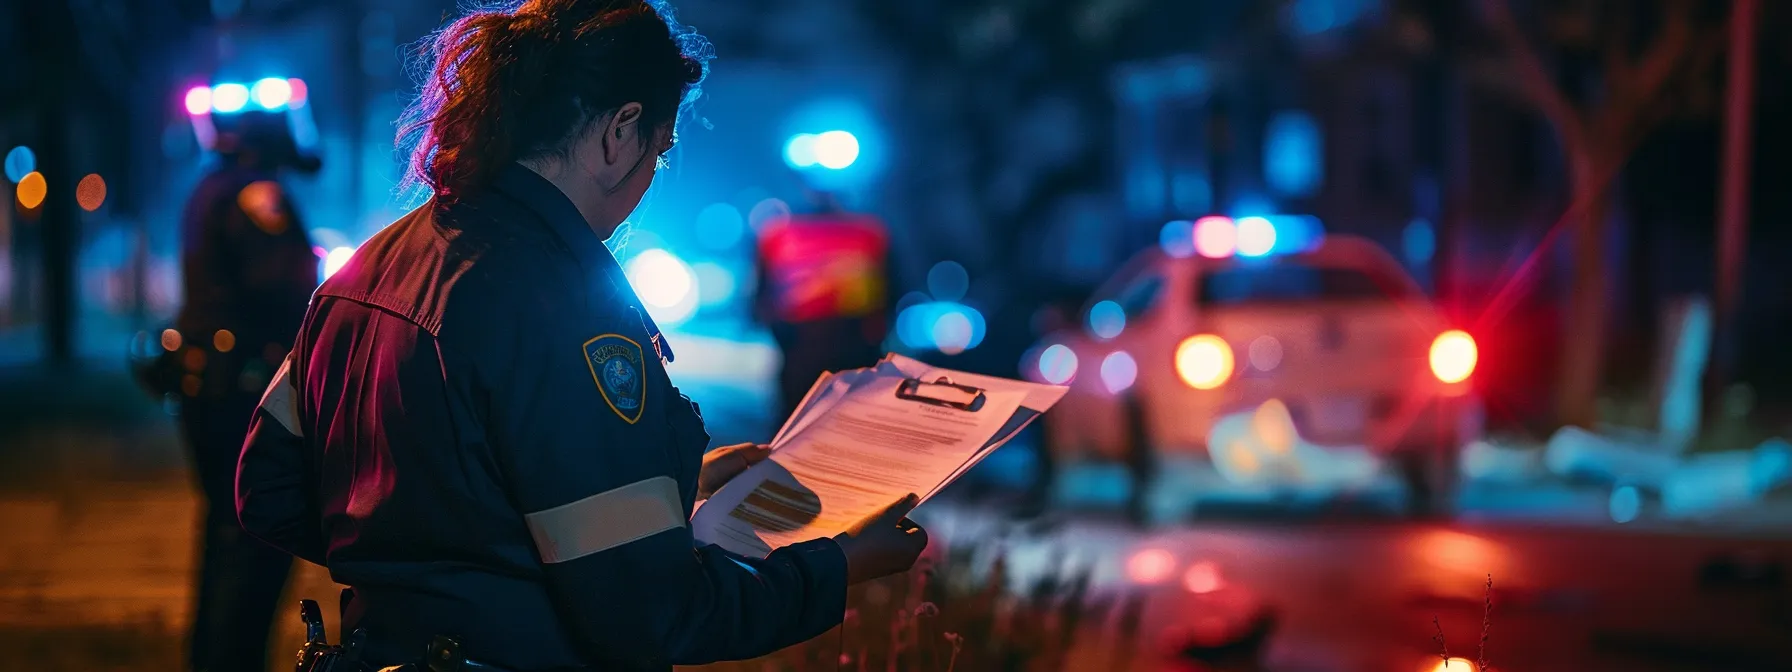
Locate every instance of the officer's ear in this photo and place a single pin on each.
(621, 134)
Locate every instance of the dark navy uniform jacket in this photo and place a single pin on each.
(475, 432)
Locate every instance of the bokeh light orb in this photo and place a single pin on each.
(90, 193)
(1118, 371)
(1457, 664)
(715, 283)
(20, 161)
(768, 213)
(836, 149)
(952, 332)
(1150, 566)
(1057, 364)
(1215, 237)
(1625, 504)
(1202, 577)
(1177, 239)
(948, 281)
(32, 190)
(198, 100)
(660, 278)
(1204, 361)
(1106, 320)
(799, 151)
(336, 258)
(1265, 353)
(271, 93)
(229, 98)
(1453, 356)
(1256, 236)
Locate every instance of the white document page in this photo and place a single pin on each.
(828, 390)
(868, 450)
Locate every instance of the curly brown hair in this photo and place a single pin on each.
(505, 85)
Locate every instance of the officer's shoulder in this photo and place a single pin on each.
(509, 274)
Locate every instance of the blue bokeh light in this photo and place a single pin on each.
(948, 281)
(1625, 504)
(1292, 161)
(799, 151)
(946, 326)
(1106, 320)
(1418, 243)
(1057, 364)
(1177, 239)
(19, 163)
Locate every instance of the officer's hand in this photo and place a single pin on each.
(884, 543)
(723, 464)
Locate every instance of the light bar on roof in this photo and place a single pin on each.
(270, 94)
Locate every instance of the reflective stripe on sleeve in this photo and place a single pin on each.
(282, 399)
(606, 520)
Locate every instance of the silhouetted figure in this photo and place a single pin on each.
(249, 270)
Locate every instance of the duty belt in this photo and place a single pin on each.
(317, 655)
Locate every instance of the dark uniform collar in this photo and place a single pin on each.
(553, 207)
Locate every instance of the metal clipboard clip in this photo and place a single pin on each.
(942, 392)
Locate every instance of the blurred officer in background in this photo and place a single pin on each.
(248, 269)
(475, 431)
(823, 293)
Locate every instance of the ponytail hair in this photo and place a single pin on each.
(509, 85)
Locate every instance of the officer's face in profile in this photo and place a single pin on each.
(620, 161)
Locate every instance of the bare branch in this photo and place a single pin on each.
(1534, 79)
(1664, 57)
(1636, 104)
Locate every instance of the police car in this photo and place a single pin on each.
(1334, 334)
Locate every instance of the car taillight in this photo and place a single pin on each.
(1453, 356)
(1150, 566)
(1204, 361)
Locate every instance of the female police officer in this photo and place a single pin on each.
(475, 431)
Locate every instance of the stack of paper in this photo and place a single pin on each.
(862, 439)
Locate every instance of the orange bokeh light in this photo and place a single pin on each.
(32, 189)
(1204, 361)
(91, 192)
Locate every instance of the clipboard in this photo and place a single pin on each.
(942, 392)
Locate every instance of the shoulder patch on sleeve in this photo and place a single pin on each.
(615, 362)
(265, 206)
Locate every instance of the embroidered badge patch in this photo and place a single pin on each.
(615, 362)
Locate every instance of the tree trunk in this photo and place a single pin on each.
(1585, 315)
